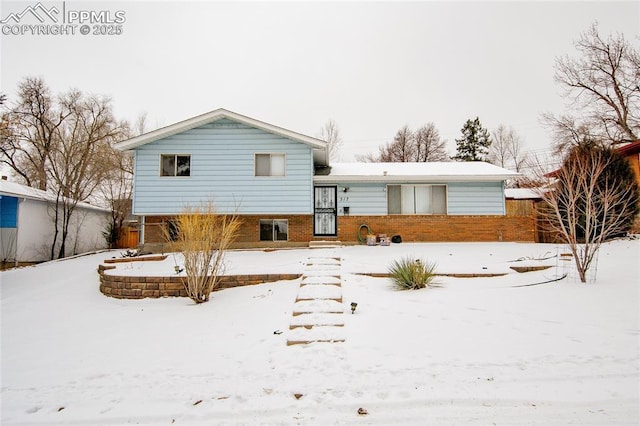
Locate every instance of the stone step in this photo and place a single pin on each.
(310, 292)
(323, 261)
(318, 305)
(318, 279)
(317, 319)
(328, 269)
(321, 273)
(301, 335)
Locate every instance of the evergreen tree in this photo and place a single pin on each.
(474, 144)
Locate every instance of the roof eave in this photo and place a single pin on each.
(210, 117)
(413, 178)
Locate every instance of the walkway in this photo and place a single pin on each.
(318, 314)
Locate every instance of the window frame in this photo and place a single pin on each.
(270, 154)
(273, 230)
(414, 185)
(175, 165)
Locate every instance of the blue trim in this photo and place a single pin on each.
(8, 212)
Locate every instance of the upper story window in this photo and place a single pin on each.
(417, 199)
(270, 165)
(175, 165)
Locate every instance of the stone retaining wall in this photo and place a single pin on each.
(134, 287)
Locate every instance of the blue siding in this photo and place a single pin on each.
(475, 198)
(363, 199)
(463, 198)
(8, 212)
(222, 170)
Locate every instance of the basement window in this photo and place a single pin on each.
(274, 230)
(175, 165)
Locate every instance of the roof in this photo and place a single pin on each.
(13, 189)
(624, 150)
(431, 171)
(320, 155)
(523, 193)
(630, 148)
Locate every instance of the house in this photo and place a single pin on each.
(631, 152)
(26, 225)
(287, 193)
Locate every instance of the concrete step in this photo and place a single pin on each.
(310, 292)
(301, 335)
(318, 306)
(317, 319)
(319, 279)
(323, 261)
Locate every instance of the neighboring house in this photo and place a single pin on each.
(281, 184)
(26, 225)
(631, 152)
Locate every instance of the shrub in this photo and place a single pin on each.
(203, 236)
(412, 274)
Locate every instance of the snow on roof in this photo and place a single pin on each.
(13, 189)
(523, 193)
(431, 171)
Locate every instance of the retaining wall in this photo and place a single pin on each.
(135, 287)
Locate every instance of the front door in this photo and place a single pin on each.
(325, 211)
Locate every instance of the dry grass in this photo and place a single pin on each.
(204, 236)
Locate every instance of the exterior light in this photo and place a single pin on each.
(353, 307)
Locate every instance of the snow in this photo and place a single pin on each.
(469, 351)
(524, 193)
(14, 189)
(449, 170)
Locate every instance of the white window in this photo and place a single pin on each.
(270, 165)
(417, 199)
(175, 165)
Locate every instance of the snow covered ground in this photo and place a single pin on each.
(471, 351)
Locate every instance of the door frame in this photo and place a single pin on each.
(335, 211)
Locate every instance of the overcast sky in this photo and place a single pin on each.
(372, 67)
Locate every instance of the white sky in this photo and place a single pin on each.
(372, 67)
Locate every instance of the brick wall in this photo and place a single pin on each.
(441, 228)
(412, 228)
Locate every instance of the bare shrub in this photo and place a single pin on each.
(593, 198)
(203, 236)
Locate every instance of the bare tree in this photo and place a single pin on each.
(603, 86)
(117, 187)
(81, 159)
(401, 150)
(31, 132)
(423, 145)
(60, 144)
(330, 133)
(117, 191)
(506, 149)
(594, 197)
(429, 146)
